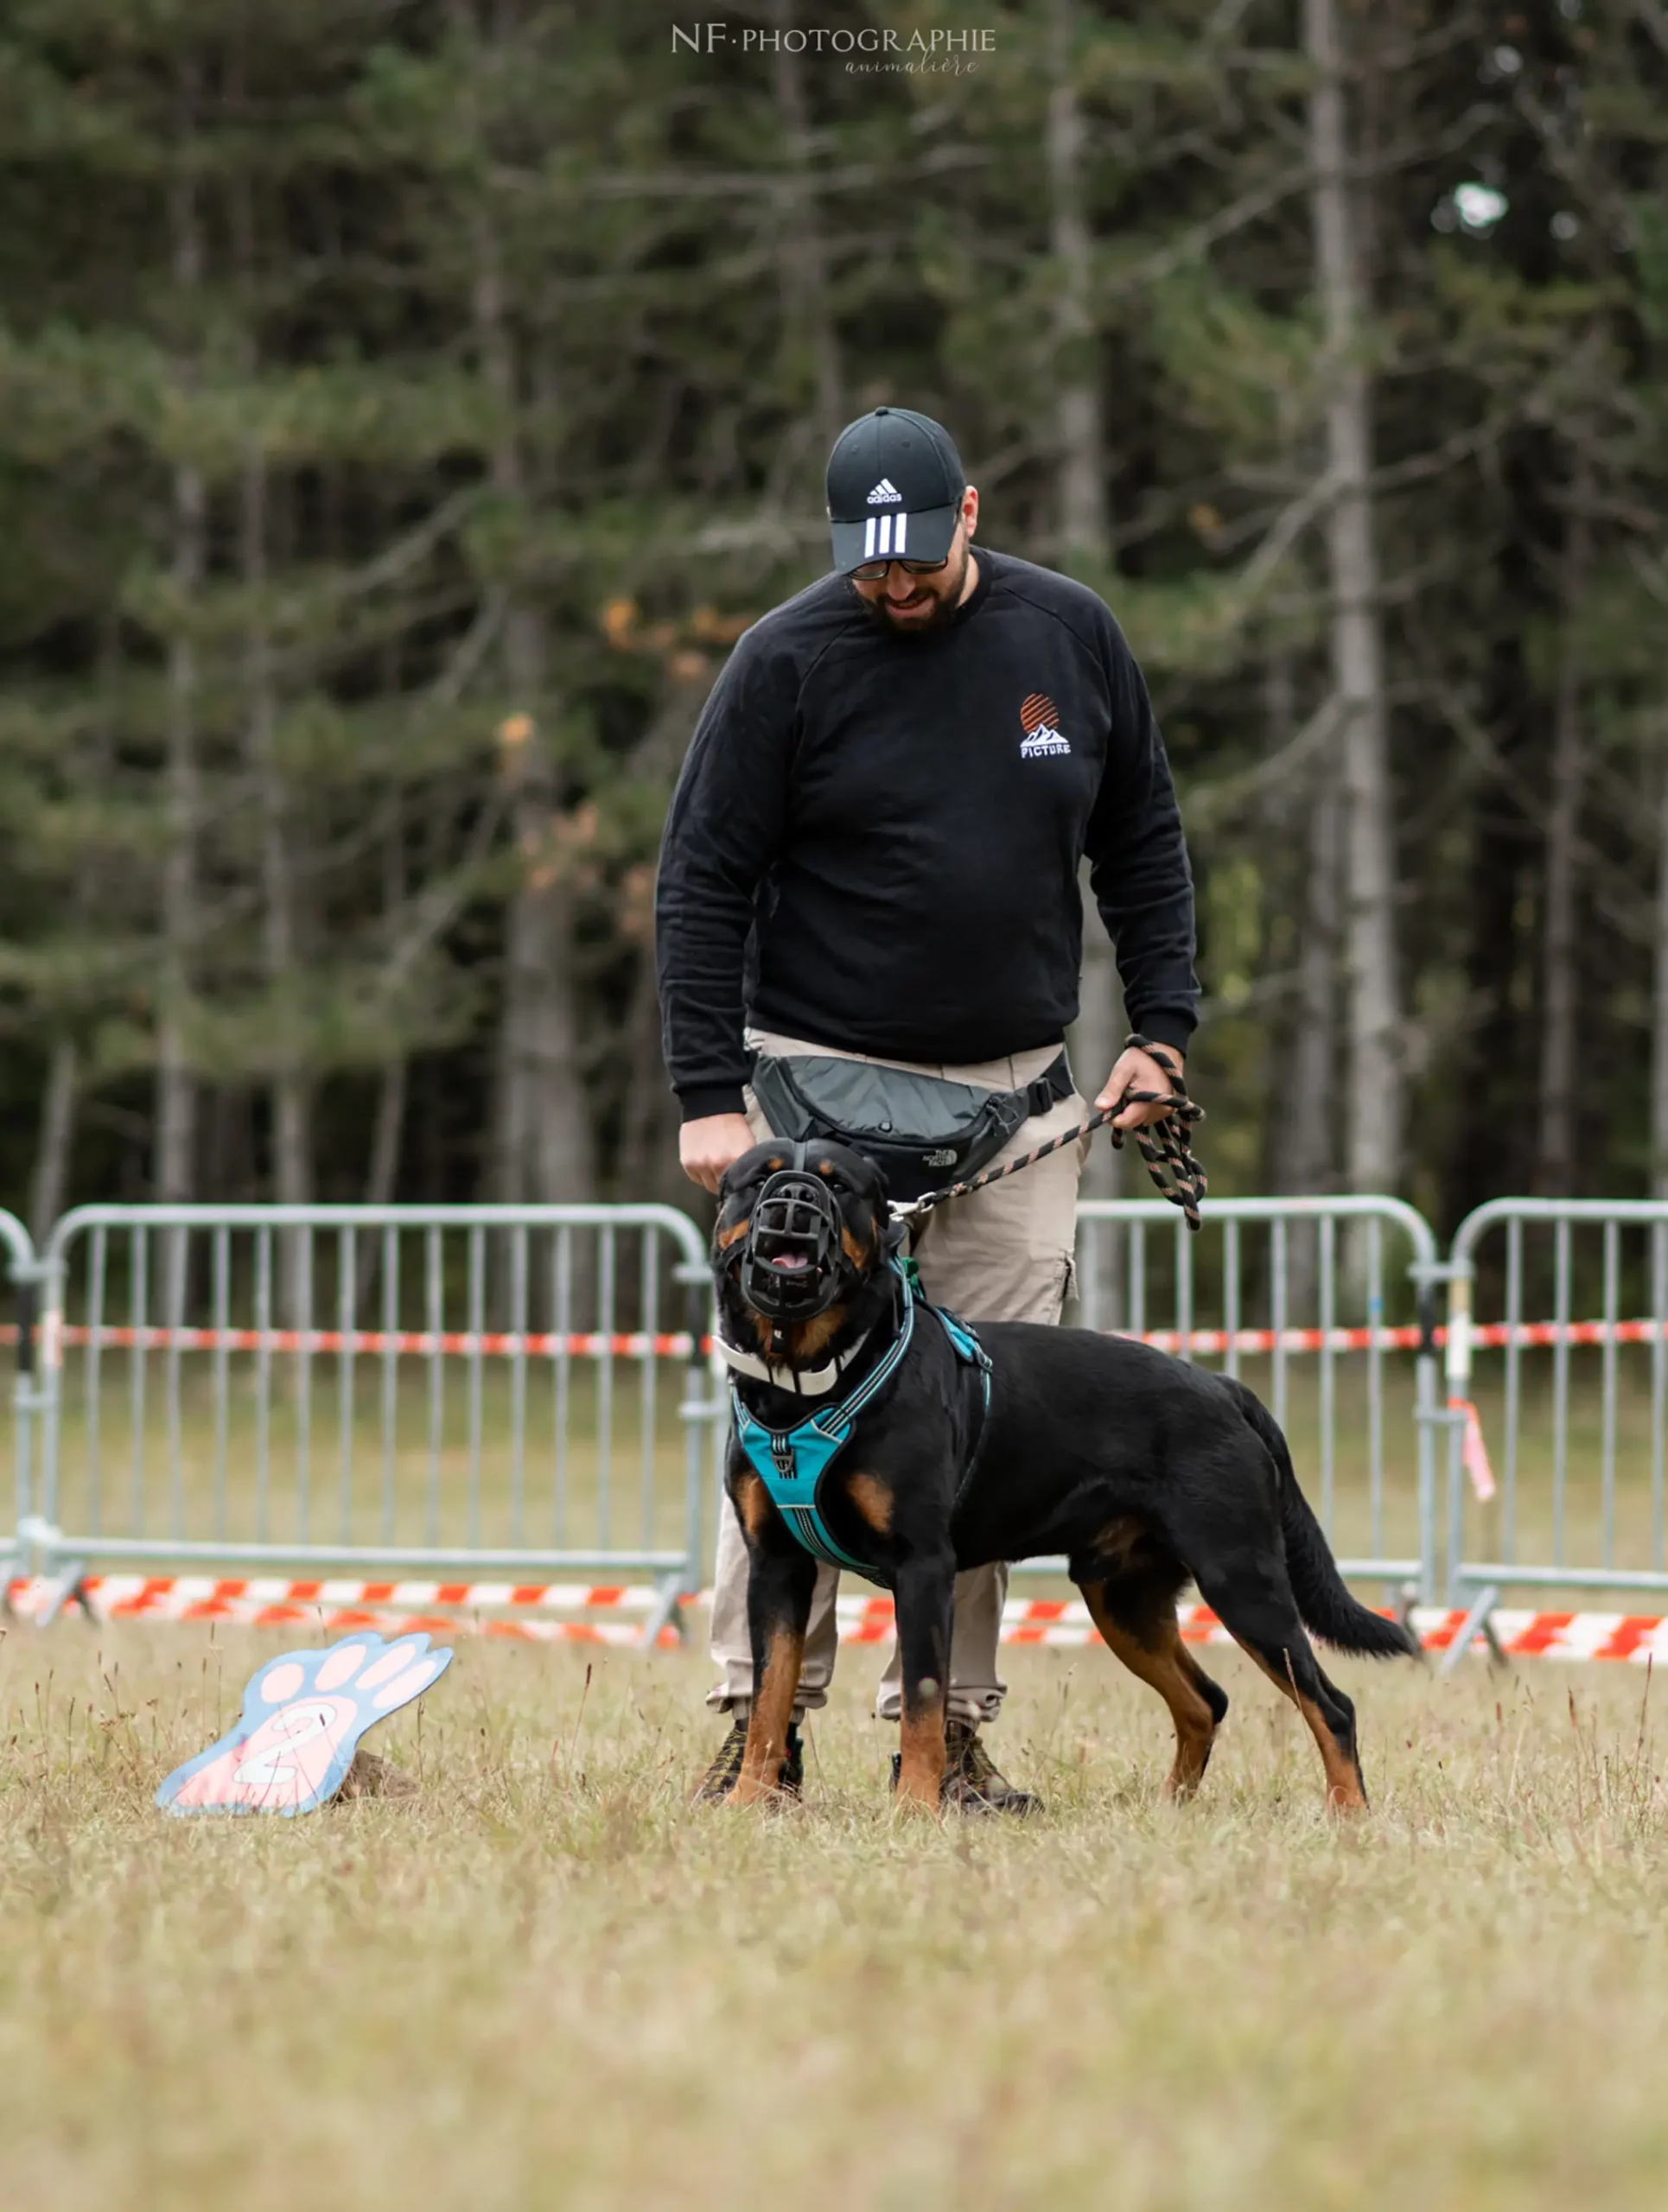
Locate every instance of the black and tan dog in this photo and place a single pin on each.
(1146, 1472)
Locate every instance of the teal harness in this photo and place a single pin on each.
(792, 1462)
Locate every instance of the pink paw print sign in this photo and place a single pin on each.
(302, 1717)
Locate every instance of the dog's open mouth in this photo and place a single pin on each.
(785, 1260)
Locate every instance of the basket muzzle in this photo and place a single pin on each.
(793, 1260)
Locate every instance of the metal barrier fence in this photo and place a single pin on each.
(1323, 1305)
(1579, 1500)
(22, 1271)
(456, 1389)
(473, 1388)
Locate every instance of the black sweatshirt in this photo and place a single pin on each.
(874, 840)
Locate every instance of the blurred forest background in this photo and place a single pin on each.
(405, 403)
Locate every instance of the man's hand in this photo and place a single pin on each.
(706, 1148)
(1139, 1071)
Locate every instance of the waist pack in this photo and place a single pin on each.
(920, 1131)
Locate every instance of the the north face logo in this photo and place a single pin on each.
(885, 494)
(1039, 718)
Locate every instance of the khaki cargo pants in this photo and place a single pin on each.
(1002, 1254)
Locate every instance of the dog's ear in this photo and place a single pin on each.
(871, 1191)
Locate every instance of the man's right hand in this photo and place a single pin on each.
(706, 1148)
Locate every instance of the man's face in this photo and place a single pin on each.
(908, 604)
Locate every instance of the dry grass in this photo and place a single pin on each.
(550, 1983)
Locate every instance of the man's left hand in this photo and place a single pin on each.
(1141, 1071)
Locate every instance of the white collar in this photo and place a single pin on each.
(809, 1383)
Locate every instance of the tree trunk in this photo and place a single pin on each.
(1659, 993)
(1304, 1158)
(648, 1150)
(1373, 1143)
(1492, 1149)
(1096, 1039)
(1556, 1145)
(51, 1178)
(1082, 528)
(177, 1088)
(291, 1086)
(1080, 445)
(292, 1165)
(544, 1144)
(803, 248)
(383, 1170)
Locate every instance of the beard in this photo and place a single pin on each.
(944, 603)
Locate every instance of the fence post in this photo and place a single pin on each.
(1427, 1416)
(24, 1271)
(1457, 1367)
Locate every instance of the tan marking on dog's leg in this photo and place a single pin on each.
(873, 1499)
(752, 1501)
(920, 1769)
(1164, 1667)
(1345, 1793)
(767, 1722)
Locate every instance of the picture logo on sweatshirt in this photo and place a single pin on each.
(1040, 718)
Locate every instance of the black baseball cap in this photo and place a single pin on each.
(895, 487)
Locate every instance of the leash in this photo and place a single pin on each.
(1163, 1145)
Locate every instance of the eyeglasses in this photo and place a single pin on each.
(871, 572)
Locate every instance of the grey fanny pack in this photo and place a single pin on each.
(920, 1131)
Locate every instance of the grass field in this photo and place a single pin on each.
(549, 1982)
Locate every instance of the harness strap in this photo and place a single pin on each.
(791, 1462)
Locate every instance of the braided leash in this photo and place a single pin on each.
(1163, 1145)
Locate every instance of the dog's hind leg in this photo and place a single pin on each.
(1136, 1615)
(1263, 1618)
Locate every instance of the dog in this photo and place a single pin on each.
(872, 1430)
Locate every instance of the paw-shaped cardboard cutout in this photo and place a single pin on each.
(302, 1716)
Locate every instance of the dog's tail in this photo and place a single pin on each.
(1326, 1606)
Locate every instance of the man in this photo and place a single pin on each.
(873, 854)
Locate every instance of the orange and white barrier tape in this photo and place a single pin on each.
(677, 1343)
(131, 1597)
(397, 1608)
(413, 1343)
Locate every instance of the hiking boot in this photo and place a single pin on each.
(721, 1777)
(371, 1776)
(972, 1782)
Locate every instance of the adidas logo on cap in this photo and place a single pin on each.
(884, 493)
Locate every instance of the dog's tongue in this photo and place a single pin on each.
(790, 1263)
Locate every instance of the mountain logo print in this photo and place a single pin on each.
(1040, 719)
